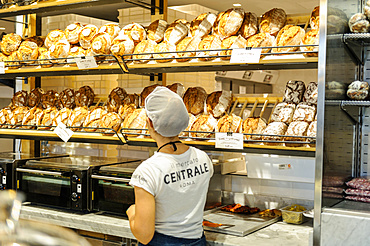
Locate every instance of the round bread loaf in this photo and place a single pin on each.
(87, 34)
(164, 47)
(218, 102)
(28, 52)
(311, 132)
(253, 125)
(101, 43)
(49, 99)
(62, 117)
(34, 97)
(231, 43)
(132, 99)
(187, 44)
(289, 35)
(261, 40)
(111, 120)
(92, 121)
(125, 110)
(3, 57)
(10, 43)
(17, 116)
(12, 61)
(75, 51)
(122, 45)
(186, 132)
(72, 32)
(145, 92)
(5, 115)
(294, 90)
(358, 23)
(202, 25)
(135, 31)
(45, 122)
(77, 118)
(29, 120)
(311, 93)
(249, 26)
(59, 50)
(115, 99)
(194, 25)
(229, 123)
(315, 18)
(209, 42)
(177, 88)
(274, 128)
(145, 46)
(272, 21)
(67, 98)
(311, 37)
(53, 37)
(84, 96)
(194, 100)
(112, 29)
(204, 123)
(176, 32)
(296, 128)
(135, 120)
(156, 30)
(44, 58)
(230, 22)
(358, 90)
(36, 39)
(20, 98)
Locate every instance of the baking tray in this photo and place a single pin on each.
(237, 224)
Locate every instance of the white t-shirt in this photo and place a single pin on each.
(179, 184)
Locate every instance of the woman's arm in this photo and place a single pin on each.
(142, 216)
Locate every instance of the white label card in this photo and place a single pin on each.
(245, 55)
(63, 132)
(2, 67)
(228, 140)
(86, 62)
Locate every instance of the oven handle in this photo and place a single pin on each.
(38, 171)
(110, 178)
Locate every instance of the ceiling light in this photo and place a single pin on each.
(2, 28)
(237, 5)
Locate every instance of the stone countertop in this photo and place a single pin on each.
(276, 234)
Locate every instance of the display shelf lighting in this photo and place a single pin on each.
(237, 5)
(2, 28)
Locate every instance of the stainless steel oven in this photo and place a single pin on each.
(61, 182)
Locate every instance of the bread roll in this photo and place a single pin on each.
(194, 100)
(59, 50)
(77, 118)
(156, 30)
(27, 52)
(202, 25)
(29, 120)
(253, 125)
(122, 45)
(261, 40)
(125, 110)
(87, 34)
(67, 98)
(145, 46)
(72, 32)
(164, 47)
(315, 18)
(34, 97)
(304, 112)
(36, 39)
(132, 99)
(53, 37)
(177, 88)
(230, 22)
(112, 29)
(217, 103)
(176, 32)
(10, 43)
(311, 37)
(92, 121)
(296, 128)
(294, 91)
(358, 90)
(135, 31)
(111, 120)
(135, 120)
(249, 26)
(115, 99)
(209, 42)
(231, 43)
(274, 128)
(45, 59)
(185, 133)
(49, 99)
(20, 98)
(229, 123)
(84, 96)
(145, 92)
(272, 21)
(5, 115)
(287, 36)
(187, 44)
(204, 123)
(311, 93)
(17, 116)
(358, 23)
(101, 43)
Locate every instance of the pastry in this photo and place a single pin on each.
(125, 110)
(110, 120)
(187, 44)
(77, 118)
(358, 23)
(135, 31)
(289, 35)
(132, 99)
(177, 88)
(261, 40)
(204, 123)
(72, 32)
(49, 99)
(186, 133)
(87, 34)
(36, 39)
(304, 112)
(272, 21)
(176, 32)
(231, 43)
(122, 45)
(92, 121)
(115, 99)
(134, 120)
(202, 25)
(67, 98)
(112, 29)
(145, 46)
(164, 47)
(20, 98)
(28, 52)
(230, 22)
(53, 37)
(101, 43)
(34, 97)
(311, 37)
(47, 120)
(10, 43)
(249, 26)
(62, 117)
(274, 128)
(145, 92)
(59, 50)
(294, 91)
(229, 123)
(209, 42)
(217, 103)
(311, 93)
(296, 128)
(156, 30)
(84, 96)
(358, 90)
(194, 100)
(315, 18)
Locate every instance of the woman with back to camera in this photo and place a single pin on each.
(171, 186)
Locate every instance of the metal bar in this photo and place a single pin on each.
(20, 22)
(110, 178)
(25, 170)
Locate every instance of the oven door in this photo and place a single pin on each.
(112, 194)
(51, 188)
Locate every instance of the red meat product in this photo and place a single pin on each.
(358, 198)
(357, 192)
(337, 190)
(334, 180)
(331, 195)
(359, 183)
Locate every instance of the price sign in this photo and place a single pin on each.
(245, 55)
(229, 140)
(2, 67)
(63, 132)
(86, 62)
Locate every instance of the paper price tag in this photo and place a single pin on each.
(2, 68)
(245, 55)
(63, 132)
(229, 140)
(86, 62)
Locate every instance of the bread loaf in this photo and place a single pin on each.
(135, 31)
(358, 23)
(134, 120)
(209, 42)
(217, 103)
(217, 22)
(194, 100)
(47, 120)
(12, 61)
(304, 112)
(37, 40)
(156, 30)
(44, 59)
(77, 118)
(272, 21)
(10, 43)
(84, 96)
(101, 44)
(53, 37)
(311, 37)
(17, 116)
(177, 88)
(358, 90)
(230, 22)
(202, 25)
(204, 123)
(111, 120)
(112, 29)
(92, 121)
(20, 98)
(34, 97)
(72, 32)
(276, 111)
(145, 46)
(315, 18)
(176, 32)
(28, 52)
(186, 133)
(294, 91)
(274, 128)
(335, 90)
(5, 115)
(132, 99)
(164, 47)
(231, 43)
(249, 26)
(30, 118)
(289, 35)
(62, 117)
(187, 44)
(67, 98)
(145, 92)
(59, 50)
(337, 21)
(261, 40)
(229, 123)
(253, 125)
(115, 99)
(122, 45)
(87, 34)
(286, 113)
(125, 110)
(49, 99)
(75, 51)
(311, 132)
(311, 93)
(296, 128)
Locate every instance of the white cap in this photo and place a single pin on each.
(167, 111)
